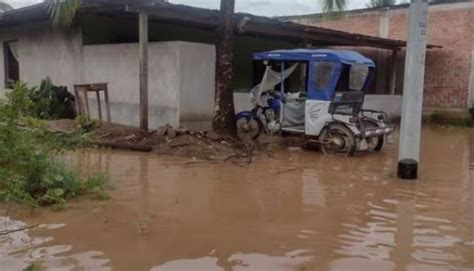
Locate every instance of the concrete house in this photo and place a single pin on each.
(103, 46)
(449, 79)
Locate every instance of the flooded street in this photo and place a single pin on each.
(293, 210)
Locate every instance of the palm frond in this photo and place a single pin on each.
(333, 5)
(63, 12)
(4, 7)
(381, 3)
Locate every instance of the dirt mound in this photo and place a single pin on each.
(167, 140)
(197, 145)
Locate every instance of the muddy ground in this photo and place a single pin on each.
(166, 140)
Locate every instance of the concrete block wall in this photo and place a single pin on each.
(196, 65)
(448, 70)
(181, 81)
(117, 64)
(181, 74)
(43, 52)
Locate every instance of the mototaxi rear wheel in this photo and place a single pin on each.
(337, 138)
(373, 143)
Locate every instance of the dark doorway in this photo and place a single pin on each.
(12, 67)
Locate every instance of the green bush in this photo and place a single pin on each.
(30, 170)
(48, 101)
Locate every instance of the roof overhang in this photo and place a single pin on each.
(245, 24)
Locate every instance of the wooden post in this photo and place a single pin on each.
(88, 116)
(97, 94)
(78, 101)
(393, 73)
(143, 37)
(107, 103)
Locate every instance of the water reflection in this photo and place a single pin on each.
(18, 250)
(241, 262)
(326, 213)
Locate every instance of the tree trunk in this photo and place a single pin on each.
(224, 120)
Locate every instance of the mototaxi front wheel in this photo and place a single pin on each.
(248, 128)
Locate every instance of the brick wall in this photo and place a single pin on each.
(447, 69)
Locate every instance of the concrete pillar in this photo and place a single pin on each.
(381, 79)
(384, 25)
(143, 55)
(471, 84)
(412, 101)
(393, 72)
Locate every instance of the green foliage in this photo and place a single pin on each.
(333, 5)
(63, 12)
(4, 7)
(17, 105)
(50, 101)
(381, 3)
(95, 185)
(30, 170)
(32, 267)
(86, 125)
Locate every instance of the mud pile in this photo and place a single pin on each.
(165, 140)
(195, 144)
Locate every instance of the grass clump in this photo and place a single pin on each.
(31, 170)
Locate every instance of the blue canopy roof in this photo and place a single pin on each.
(344, 56)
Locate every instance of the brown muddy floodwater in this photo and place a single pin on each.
(297, 210)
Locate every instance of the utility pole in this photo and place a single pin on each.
(412, 101)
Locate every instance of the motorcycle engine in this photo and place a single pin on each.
(273, 125)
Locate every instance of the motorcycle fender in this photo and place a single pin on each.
(344, 119)
(244, 114)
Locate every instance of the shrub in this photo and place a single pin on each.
(49, 101)
(30, 171)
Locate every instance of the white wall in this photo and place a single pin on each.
(242, 102)
(390, 104)
(181, 81)
(43, 52)
(117, 64)
(174, 67)
(196, 77)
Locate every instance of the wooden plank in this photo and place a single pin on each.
(143, 47)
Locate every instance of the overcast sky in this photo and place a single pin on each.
(259, 7)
